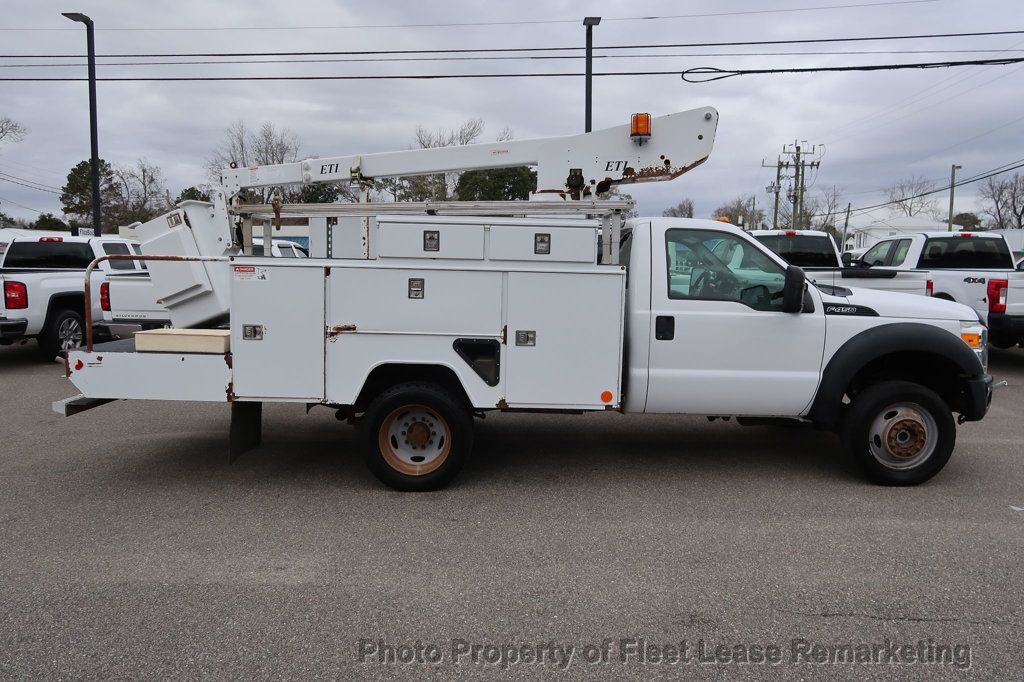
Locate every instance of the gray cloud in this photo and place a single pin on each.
(871, 136)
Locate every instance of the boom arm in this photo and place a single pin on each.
(575, 164)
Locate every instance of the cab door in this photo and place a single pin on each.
(719, 341)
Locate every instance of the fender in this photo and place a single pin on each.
(877, 342)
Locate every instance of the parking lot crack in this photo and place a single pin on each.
(901, 618)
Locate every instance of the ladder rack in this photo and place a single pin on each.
(595, 207)
(608, 211)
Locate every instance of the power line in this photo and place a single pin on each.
(707, 74)
(15, 182)
(27, 208)
(713, 73)
(418, 76)
(34, 182)
(314, 53)
(504, 58)
(967, 181)
(524, 22)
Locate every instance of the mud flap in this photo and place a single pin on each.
(246, 428)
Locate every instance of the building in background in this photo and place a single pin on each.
(867, 235)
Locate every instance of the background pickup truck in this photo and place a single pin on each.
(973, 268)
(43, 280)
(816, 253)
(130, 299)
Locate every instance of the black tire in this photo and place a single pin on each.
(899, 433)
(64, 330)
(440, 437)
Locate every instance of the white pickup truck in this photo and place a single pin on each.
(816, 253)
(973, 268)
(130, 300)
(441, 324)
(43, 283)
(418, 317)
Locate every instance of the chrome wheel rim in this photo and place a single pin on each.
(903, 436)
(414, 440)
(69, 333)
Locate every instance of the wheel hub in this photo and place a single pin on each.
(903, 436)
(414, 440)
(906, 438)
(418, 434)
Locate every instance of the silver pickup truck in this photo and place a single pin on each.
(816, 253)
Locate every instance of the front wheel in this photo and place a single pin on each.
(418, 436)
(899, 433)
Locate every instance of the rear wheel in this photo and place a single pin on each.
(899, 433)
(418, 436)
(65, 330)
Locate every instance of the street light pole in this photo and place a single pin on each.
(94, 161)
(590, 23)
(952, 184)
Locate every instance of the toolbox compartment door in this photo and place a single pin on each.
(564, 339)
(277, 331)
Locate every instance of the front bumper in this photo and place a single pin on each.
(13, 329)
(977, 398)
(1003, 326)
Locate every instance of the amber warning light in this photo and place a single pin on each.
(640, 127)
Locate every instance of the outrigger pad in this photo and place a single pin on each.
(246, 428)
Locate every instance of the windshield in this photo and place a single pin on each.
(963, 253)
(806, 251)
(50, 255)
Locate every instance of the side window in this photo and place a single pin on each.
(711, 265)
(877, 254)
(137, 250)
(286, 251)
(118, 248)
(900, 252)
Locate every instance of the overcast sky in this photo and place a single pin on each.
(875, 127)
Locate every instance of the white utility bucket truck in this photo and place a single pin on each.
(411, 319)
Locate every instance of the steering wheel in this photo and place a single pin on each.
(698, 284)
(715, 284)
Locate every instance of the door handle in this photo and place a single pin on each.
(664, 327)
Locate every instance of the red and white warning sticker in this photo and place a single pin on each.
(246, 272)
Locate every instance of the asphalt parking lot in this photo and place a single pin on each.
(130, 548)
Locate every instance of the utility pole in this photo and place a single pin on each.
(776, 187)
(846, 225)
(952, 185)
(753, 211)
(590, 23)
(799, 153)
(94, 161)
(797, 183)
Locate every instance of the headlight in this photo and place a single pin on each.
(975, 335)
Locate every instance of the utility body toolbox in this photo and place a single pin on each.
(518, 309)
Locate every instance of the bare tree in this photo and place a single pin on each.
(1003, 202)
(684, 209)
(740, 211)
(141, 192)
(246, 147)
(439, 186)
(909, 196)
(824, 209)
(11, 130)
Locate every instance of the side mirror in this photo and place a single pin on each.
(793, 290)
(847, 259)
